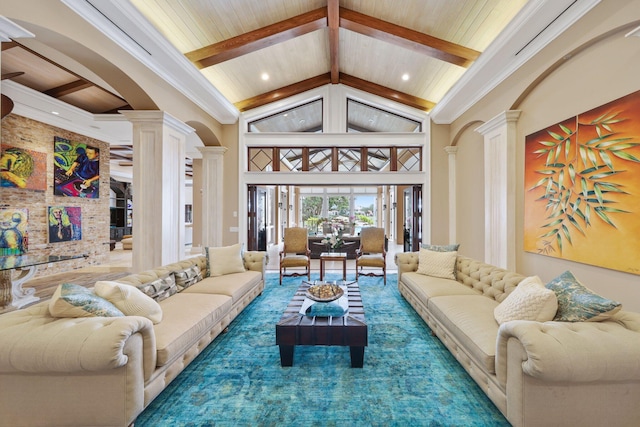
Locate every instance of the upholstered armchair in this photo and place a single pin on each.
(371, 253)
(295, 253)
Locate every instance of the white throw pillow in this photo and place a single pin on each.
(437, 264)
(225, 260)
(530, 300)
(129, 299)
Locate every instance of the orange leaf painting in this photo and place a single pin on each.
(582, 187)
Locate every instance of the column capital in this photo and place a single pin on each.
(451, 149)
(157, 117)
(212, 151)
(504, 118)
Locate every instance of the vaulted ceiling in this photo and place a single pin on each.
(303, 44)
(253, 52)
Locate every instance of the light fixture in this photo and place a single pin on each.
(265, 76)
(55, 113)
(405, 77)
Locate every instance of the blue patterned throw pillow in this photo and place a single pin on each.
(71, 300)
(441, 248)
(576, 303)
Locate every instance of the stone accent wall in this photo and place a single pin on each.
(21, 132)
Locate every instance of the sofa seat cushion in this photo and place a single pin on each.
(235, 285)
(427, 287)
(469, 319)
(187, 317)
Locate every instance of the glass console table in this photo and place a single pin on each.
(11, 291)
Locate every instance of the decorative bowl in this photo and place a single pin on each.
(324, 292)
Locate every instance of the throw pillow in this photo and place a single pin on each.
(129, 299)
(441, 248)
(71, 300)
(187, 277)
(225, 260)
(161, 288)
(530, 300)
(437, 264)
(577, 303)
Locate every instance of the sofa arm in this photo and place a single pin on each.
(406, 262)
(256, 261)
(574, 352)
(32, 341)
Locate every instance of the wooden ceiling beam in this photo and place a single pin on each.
(68, 88)
(284, 92)
(259, 39)
(407, 38)
(9, 45)
(333, 17)
(385, 92)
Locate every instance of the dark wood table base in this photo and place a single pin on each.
(349, 330)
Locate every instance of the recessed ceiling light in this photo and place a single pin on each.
(265, 76)
(405, 77)
(55, 112)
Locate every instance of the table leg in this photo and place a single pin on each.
(286, 355)
(321, 269)
(19, 296)
(357, 356)
(344, 269)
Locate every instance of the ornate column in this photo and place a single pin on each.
(452, 150)
(212, 194)
(500, 192)
(159, 142)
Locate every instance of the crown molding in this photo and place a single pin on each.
(533, 28)
(37, 106)
(135, 34)
(10, 30)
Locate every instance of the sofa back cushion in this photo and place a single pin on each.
(492, 281)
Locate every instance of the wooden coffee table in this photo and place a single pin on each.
(348, 330)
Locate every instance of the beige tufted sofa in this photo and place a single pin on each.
(99, 371)
(537, 374)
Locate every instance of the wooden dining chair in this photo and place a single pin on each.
(295, 253)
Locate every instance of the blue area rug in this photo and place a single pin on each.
(408, 378)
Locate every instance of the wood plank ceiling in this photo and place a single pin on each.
(303, 44)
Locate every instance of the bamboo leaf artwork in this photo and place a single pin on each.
(581, 180)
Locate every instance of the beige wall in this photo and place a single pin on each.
(18, 131)
(231, 185)
(603, 71)
(439, 186)
(470, 193)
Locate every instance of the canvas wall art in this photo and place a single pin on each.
(76, 169)
(14, 239)
(65, 223)
(582, 187)
(22, 168)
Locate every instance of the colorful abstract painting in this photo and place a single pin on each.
(582, 187)
(76, 169)
(65, 223)
(14, 239)
(22, 168)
